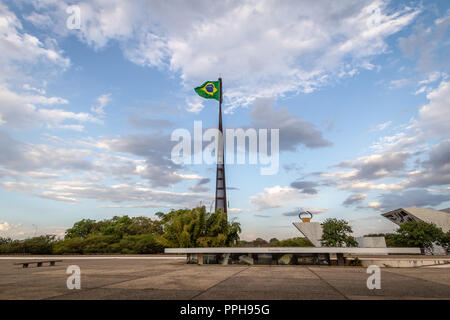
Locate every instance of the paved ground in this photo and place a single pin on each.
(150, 278)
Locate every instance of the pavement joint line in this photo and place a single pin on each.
(415, 278)
(99, 287)
(104, 275)
(214, 285)
(329, 284)
(72, 292)
(94, 258)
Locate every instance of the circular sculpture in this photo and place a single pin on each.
(303, 217)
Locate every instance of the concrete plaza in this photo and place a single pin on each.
(158, 277)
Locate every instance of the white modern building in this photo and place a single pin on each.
(440, 218)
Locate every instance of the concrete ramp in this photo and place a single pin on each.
(311, 230)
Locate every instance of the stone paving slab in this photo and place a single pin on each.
(173, 279)
(393, 284)
(431, 274)
(128, 294)
(29, 293)
(279, 272)
(267, 295)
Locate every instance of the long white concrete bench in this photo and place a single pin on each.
(331, 253)
(344, 250)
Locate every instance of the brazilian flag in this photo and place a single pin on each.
(209, 90)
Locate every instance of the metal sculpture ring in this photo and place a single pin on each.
(303, 217)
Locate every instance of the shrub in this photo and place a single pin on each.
(181, 228)
(187, 228)
(69, 246)
(99, 243)
(420, 234)
(293, 242)
(445, 241)
(336, 234)
(35, 245)
(148, 243)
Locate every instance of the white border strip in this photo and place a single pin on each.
(90, 258)
(244, 250)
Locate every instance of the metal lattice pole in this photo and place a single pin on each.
(221, 190)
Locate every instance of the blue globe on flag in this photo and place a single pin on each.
(210, 88)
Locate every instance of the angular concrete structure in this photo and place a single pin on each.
(401, 215)
(311, 230)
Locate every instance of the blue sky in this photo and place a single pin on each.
(358, 89)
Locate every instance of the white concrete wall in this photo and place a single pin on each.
(311, 230)
(371, 242)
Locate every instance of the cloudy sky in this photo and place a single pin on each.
(358, 89)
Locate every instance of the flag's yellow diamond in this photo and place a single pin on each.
(210, 88)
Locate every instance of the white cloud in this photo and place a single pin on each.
(435, 170)
(316, 210)
(26, 86)
(382, 126)
(339, 174)
(432, 77)
(410, 198)
(376, 166)
(434, 116)
(374, 204)
(294, 131)
(42, 175)
(262, 49)
(18, 48)
(421, 90)
(22, 110)
(72, 191)
(141, 206)
(275, 197)
(21, 53)
(195, 104)
(423, 45)
(369, 185)
(394, 152)
(4, 226)
(399, 83)
(103, 101)
(355, 198)
(57, 196)
(21, 231)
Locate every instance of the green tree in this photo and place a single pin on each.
(259, 242)
(187, 228)
(445, 241)
(144, 225)
(82, 229)
(5, 241)
(292, 242)
(117, 226)
(420, 234)
(124, 234)
(336, 233)
(36, 245)
(69, 246)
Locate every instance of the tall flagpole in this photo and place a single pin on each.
(221, 190)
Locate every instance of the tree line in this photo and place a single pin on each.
(336, 233)
(135, 235)
(190, 228)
